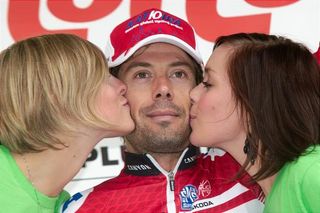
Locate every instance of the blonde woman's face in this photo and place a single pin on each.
(215, 119)
(113, 106)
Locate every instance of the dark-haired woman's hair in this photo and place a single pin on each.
(276, 83)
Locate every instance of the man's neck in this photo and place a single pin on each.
(167, 161)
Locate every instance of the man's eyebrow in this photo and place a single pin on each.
(138, 64)
(180, 63)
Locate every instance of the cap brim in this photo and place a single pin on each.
(165, 38)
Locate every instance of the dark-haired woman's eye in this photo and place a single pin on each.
(206, 84)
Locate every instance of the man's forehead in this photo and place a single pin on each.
(157, 51)
(172, 62)
(149, 56)
(160, 47)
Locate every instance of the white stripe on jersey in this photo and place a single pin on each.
(214, 152)
(231, 193)
(250, 206)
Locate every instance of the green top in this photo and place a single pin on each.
(297, 186)
(17, 194)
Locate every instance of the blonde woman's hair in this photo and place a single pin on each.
(47, 84)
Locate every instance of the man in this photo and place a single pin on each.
(156, 55)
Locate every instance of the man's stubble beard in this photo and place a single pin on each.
(166, 140)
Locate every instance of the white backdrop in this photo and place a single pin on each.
(94, 20)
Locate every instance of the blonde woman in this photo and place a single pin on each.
(57, 101)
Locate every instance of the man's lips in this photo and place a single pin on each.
(163, 115)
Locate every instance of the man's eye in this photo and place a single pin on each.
(179, 74)
(142, 75)
(206, 84)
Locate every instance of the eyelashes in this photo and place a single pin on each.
(206, 84)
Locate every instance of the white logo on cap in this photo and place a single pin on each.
(154, 14)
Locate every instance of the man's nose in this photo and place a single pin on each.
(162, 88)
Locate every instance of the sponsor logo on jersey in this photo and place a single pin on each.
(200, 205)
(188, 195)
(190, 159)
(204, 188)
(138, 167)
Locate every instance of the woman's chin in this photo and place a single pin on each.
(195, 140)
(126, 131)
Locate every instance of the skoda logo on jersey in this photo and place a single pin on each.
(188, 195)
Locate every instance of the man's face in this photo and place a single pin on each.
(159, 78)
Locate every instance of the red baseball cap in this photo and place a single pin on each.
(149, 27)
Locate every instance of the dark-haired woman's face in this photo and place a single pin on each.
(215, 120)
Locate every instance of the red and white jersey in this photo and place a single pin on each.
(198, 183)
